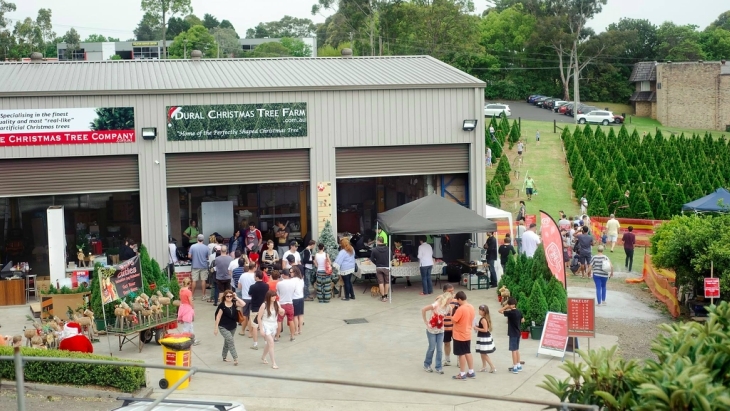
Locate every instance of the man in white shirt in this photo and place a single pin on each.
(612, 227)
(173, 255)
(291, 251)
(285, 290)
(244, 283)
(530, 240)
(425, 260)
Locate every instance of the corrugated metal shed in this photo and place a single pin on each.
(229, 75)
(643, 96)
(644, 71)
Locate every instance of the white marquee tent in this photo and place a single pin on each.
(494, 213)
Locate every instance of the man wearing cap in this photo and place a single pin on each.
(198, 255)
(530, 240)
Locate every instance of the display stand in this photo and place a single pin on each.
(56, 243)
(554, 336)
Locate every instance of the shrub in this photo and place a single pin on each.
(537, 306)
(692, 371)
(125, 379)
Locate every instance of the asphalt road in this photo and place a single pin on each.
(526, 111)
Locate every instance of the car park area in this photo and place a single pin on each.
(529, 111)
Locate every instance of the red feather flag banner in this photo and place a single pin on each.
(553, 245)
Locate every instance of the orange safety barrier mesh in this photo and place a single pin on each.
(661, 287)
(643, 229)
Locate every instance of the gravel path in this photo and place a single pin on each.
(634, 336)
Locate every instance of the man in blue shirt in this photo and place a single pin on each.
(198, 254)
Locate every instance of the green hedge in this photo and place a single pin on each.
(125, 379)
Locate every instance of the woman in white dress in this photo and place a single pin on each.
(268, 325)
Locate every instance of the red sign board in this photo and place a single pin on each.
(69, 126)
(581, 317)
(553, 245)
(712, 288)
(554, 335)
(530, 219)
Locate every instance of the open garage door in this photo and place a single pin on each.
(68, 175)
(362, 162)
(237, 167)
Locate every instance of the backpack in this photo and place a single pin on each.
(574, 264)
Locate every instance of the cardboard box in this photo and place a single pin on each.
(58, 304)
(43, 285)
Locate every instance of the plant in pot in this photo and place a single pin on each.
(522, 304)
(537, 308)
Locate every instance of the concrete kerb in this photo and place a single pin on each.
(73, 391)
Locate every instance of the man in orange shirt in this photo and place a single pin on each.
(463, 320)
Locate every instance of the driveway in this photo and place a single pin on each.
(526, 111)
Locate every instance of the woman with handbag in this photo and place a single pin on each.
(226, 321)
(601, 269)
(346, 266)
(324, 274)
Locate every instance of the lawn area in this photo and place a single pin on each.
(545, 163)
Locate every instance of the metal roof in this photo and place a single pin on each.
(644, 71)
(229, 75)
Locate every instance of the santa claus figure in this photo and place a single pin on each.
(72, 339)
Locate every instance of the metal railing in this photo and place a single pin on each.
(20, 378)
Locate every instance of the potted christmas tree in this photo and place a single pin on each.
(331, 247)
(522, 304)
(537, 309)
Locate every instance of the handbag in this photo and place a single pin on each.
(241, 318)
(606, 265)
(327, 267)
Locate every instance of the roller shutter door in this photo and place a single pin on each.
(355, 162)
(237, 167)
(68, 175)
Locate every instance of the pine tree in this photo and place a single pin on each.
(523, 304)
(641, 207)
(327, 238)
(537, 306)
(597, 205)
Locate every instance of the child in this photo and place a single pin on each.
(537, 137)
(485, 343)
(514, 321)
(604, 237)
(186, 312)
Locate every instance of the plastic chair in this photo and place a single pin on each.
(31, 286)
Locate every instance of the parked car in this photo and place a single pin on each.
(140, 404)
(565, 108)
(533, 97)
(583, 109)
(596, 116)
(544, 103)
(496, 110)
(547, 104)
(618, 119)
(557, 104)
(539, 100)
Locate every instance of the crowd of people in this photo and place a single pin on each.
(451, 324)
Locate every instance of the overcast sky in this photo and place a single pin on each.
(117, 18)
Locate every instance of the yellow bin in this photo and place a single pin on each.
(176, 352)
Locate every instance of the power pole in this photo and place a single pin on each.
(372, 30)
(576, 77)
(352, 44)
(380, 47)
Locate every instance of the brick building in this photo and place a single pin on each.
(693, 95)
(644, 98)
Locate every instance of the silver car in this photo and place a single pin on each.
(496, 110)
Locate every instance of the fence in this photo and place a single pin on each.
(660, 283)
(20, 360)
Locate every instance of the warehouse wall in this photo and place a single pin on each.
(335, 119)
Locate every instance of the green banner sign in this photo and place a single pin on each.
(233, 121)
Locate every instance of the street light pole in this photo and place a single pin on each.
(185, 48)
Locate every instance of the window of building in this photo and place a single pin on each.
(67, 55)
(645, 86)
(248, 46)
(145, 53)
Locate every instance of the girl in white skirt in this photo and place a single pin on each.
(485, 343)
(268, 325)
